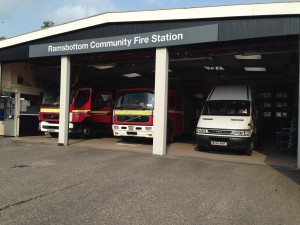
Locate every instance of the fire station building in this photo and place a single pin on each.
(190, 49)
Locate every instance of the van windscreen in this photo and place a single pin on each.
(227, 108)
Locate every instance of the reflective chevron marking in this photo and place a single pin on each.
(49, 110)
(80, 111)
(133, 112)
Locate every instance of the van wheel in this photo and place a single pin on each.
(87, 130)
(53, 134)
(249, 150)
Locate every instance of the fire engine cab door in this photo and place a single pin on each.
(100, 108)
(190, 119)
(82, 102)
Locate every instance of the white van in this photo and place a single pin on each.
(227, 119)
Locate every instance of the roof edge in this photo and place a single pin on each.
(207, 12)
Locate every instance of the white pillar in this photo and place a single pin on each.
(17, 112)
(298, 140)
(64, 101)
(0, 77)
(161, 101)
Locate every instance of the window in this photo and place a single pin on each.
(101, 101)
(82, 98)
(135, 100)
(50, 98)
(227, 108)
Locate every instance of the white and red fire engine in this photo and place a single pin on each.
(90, 112)
(134, 113)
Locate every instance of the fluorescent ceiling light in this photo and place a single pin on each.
(104, 66)
(255, 69)
(130, 75)
(214, 68)
(248, 56)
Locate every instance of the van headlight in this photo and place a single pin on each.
(248, 132)
(242, 132)
(239, 132)
(201, 131)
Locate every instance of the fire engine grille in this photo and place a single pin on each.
(51, 116)
(133, 118)
(223, 132)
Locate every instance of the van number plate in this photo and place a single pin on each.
(220, 143)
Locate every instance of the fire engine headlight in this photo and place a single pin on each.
(201, 131)
(148, 128)
(116, 127)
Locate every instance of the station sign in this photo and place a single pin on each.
(183, 36)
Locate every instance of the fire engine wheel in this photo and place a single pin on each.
(126, 139)
(87, 130)
(201, 148)
(53, 134)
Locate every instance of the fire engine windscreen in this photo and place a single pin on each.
(227, 108)
(50, 98)
(135, 100)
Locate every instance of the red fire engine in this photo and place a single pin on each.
(134, 114)
(90, 112)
